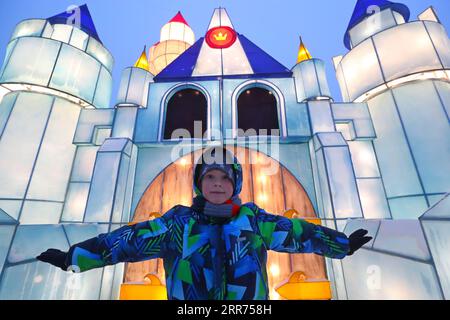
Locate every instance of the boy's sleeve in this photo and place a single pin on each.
(298, 236)
(130, 243)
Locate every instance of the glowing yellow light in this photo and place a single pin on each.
(297, 287)
(186, 201)
(274, 270)
(152, 279)
(314, 221)
(150, 289)
(303, 53)
(294, 214)
(142, 62)
(150, 216)
(263, 179)
(248, 92)
(297, 276)
(262, 198)
(183, 162)
(274, 295)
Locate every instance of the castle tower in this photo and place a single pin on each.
(176, 37)
(401, 69)
(133, 89)
(55, 70)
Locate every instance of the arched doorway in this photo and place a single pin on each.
(276, 194)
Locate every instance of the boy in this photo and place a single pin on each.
(198, 244)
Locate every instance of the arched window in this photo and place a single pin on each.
(183, 108)
(257, 109)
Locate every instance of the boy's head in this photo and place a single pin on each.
(217, 175)
(216, 186)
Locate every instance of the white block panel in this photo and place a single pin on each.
(52, 170)
(21, 141)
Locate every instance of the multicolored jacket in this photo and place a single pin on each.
(210, 261)
(206, 257)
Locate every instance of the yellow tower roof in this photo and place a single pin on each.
(303, 53)
(142, 62)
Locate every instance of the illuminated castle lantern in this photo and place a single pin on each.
(176, 37)
(73, 165)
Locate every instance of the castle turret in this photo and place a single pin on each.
(176, 37)
(310, 77)
(54, 68)
(133, 89)
(62, 56)
(401, 68)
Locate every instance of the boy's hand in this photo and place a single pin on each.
(357, 240)
(55, 257)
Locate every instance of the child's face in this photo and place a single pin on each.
(216, 187)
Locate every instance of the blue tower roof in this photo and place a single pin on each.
(362, 11)
(86, 23)
(262, 64)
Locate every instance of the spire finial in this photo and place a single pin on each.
(303, 53)
(142, 62)
(179, 18)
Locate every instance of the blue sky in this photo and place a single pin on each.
(274, 25)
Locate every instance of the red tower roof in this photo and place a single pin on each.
(179, 18)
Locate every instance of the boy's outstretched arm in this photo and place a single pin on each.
(299, 236)
(131, 243)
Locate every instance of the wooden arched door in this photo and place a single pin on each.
(275, 193)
